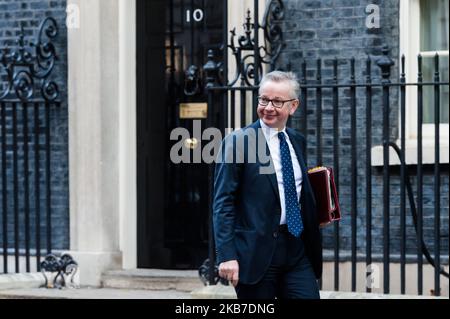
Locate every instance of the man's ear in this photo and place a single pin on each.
(294, 107)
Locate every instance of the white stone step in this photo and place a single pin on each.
(152, 279)
(92, 293)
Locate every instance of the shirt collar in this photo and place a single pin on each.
(270, 132)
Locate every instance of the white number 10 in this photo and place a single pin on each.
(197, 15)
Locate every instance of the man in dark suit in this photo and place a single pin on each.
(266, 230)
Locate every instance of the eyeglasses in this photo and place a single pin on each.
(263, 101)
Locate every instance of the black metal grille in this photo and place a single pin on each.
(26, 99)
(367, 135)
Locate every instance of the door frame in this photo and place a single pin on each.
(127, 136)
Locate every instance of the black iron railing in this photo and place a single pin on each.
(27, 95)
(385, 64)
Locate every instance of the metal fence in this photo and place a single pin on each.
(365, 136)
(26, 99)
(231, 102)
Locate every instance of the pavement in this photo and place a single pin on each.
(147, 284)
(212, 292)
(92, 293)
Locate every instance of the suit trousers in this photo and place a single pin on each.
(289, 276)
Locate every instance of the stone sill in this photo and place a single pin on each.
(346, 256)
(227, 292)
(411, 153)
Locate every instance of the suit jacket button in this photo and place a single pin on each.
(275, 234)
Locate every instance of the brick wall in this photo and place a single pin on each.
(29, 14)
(331, 29)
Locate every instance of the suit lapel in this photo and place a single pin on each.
(274, 182)
(272, 177)
(297, 148)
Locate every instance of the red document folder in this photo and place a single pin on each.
(324, 188)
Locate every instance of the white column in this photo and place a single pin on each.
(128, 138)
(101, 140)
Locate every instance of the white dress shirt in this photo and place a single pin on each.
(273, 142)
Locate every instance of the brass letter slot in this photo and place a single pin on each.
(193, 111)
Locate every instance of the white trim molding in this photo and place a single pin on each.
(127, 133)
(102, 137)
(428, 146)
(410, 47)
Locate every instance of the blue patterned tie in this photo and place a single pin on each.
(293, 218)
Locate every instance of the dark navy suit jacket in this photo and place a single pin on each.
(247, 209)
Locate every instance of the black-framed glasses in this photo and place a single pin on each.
(263, 101)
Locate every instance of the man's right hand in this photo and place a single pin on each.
(229, 270)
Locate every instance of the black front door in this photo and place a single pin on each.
(173, 38)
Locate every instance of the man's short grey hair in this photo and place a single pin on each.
(280, 76)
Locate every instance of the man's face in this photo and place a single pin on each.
(270, 115)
